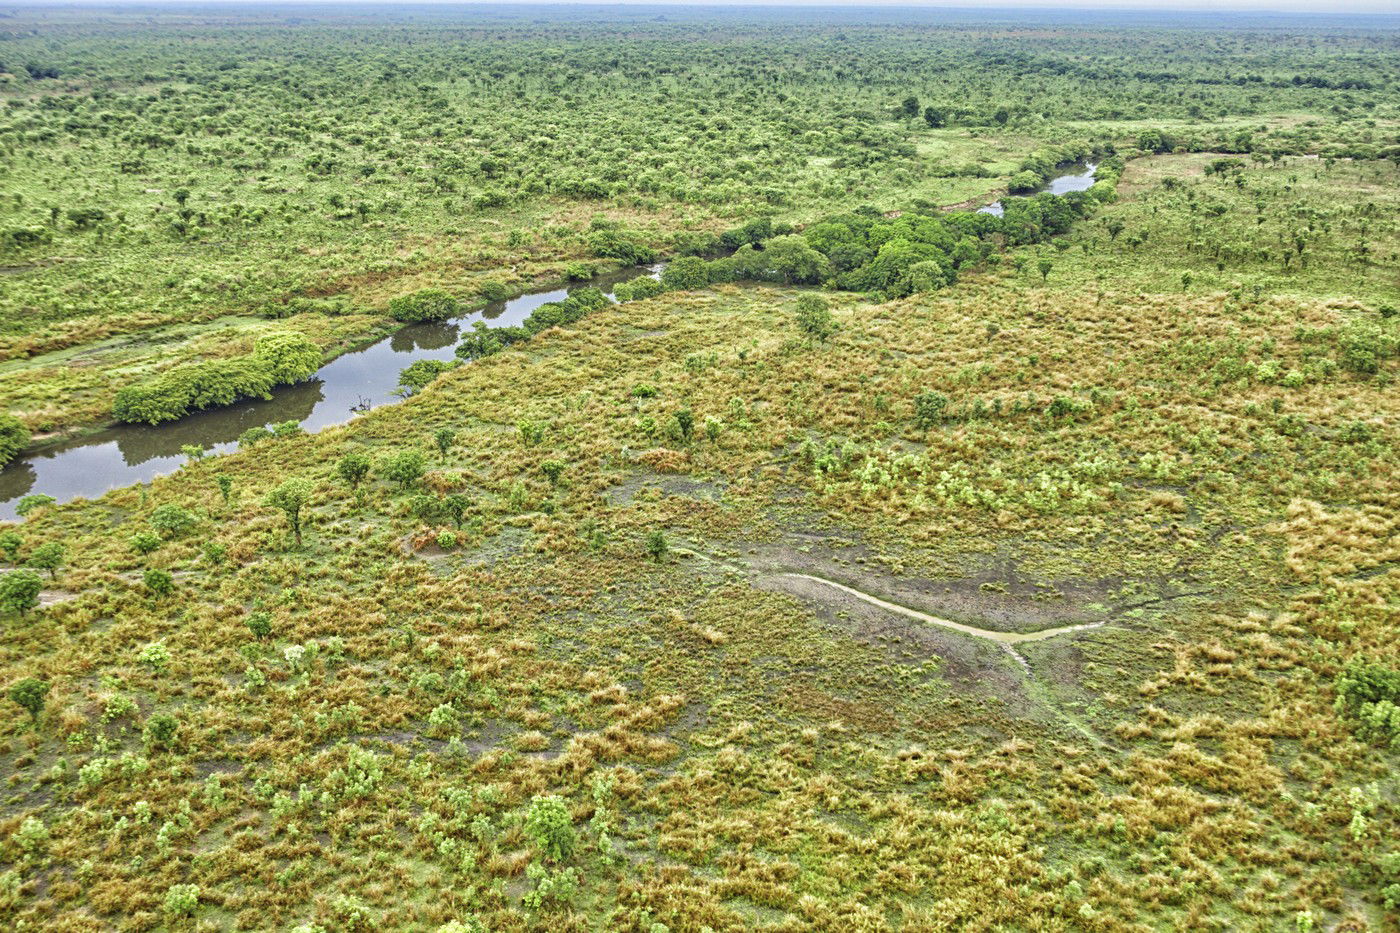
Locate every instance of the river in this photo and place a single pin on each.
(117, 456)
(1077, 176)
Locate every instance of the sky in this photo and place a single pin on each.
(1214, 6)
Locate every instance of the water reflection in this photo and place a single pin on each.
(1077, 176)
(119, 456)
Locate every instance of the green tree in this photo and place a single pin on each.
(685, 423)
(291, 497)
(259, 623)
(656, 545)
(404, 467)
(553, 470)
(160, 730)
(31, 502)
(14, 437)
(910, 107)
(814, 318)
(430, 304)
(172, 521)
(159, 583)
(1043, 267)
(10, 543)
(225, 484)
(49, 556)
(19, 591)
(30, 694)
(443, 439)
(685, 273)
(549, 826)
(456, 505)
(929, 408)
(353, 468)
(935, 117)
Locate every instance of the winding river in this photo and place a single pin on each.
(117, 456)
(92, 464)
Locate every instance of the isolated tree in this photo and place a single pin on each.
(353, 468)
(225, 484)
(657, 547)
(935, 117)
(685, 423)
(291, 497)
(259, 623)
(1043, 267)
(443, 439)
(160, 730)
(158, 582)
(910, 107)
(430, 304)
(814, 318)
(30, 694)
(549, 826)
(404, 467)
(456, 505)
(553, 470)
(49, 556)
(19, 591)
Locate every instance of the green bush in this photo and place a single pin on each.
(277, 359)
(430, 304)
(685, 274)
(550, 827)
(19, 591)
(14, 437)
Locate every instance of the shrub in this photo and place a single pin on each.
(31, 502)
(418, 375)
(14, 437)
(30, 694)
(259, 623)
(620, 244)
(656, 545)
(549, 826)
(172, 520)
(685, 274)
(289, 356)
(929, 408)
(181, 900)
(19, 591)
(404, 467)
(49, 556)
(430, 304)
(290, 497)
(144, 542)
(353, 468)
(160, 730)
(638, 289)
(10, 543)
(814, 318)
(158, 582)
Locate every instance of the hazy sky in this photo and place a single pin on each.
(1215, 6)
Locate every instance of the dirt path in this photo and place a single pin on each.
(1005, 639)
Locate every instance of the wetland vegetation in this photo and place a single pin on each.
(869, 560)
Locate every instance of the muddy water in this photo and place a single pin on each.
(119, 456)
(1077, 176)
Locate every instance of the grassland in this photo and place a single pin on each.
(607, 694)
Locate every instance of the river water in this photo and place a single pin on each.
(1077, 176)
(136, 453)
(119, 456)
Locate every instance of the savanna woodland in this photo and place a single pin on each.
(862, 537)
